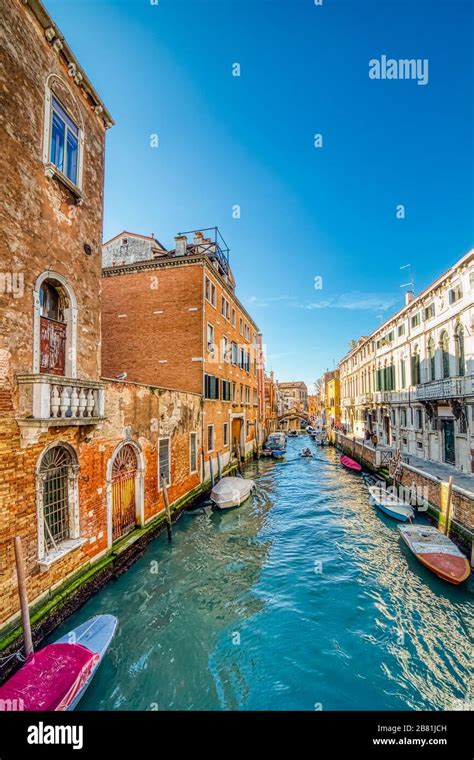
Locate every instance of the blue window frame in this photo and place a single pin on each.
(64, 150)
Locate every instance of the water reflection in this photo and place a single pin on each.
(303, 596)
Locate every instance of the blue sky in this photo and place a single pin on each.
(166, 69)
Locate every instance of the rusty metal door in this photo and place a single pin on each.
(124, 472)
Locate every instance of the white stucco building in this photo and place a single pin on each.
(411, 381)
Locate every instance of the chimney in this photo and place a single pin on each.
(198, 239)
(152, 235)
(181, 242)
(409, 296)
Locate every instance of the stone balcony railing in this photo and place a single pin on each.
(54, 400)
(348, 401)
(452, 387)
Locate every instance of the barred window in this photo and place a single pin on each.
(164, 461)
(57, 493)
(193, 452)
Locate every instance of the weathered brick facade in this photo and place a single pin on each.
(51, 236)
(157, 318)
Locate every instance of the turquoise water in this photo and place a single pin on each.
(304, 598)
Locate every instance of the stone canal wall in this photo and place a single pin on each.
(432, 490)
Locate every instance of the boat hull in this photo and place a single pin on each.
(229, 493)
(437, 553)
(57, 676)
(350, 464)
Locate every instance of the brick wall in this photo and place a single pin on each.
(135, 413)
(148, 328)
(42, 226)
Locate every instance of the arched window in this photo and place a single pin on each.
(54, 329)
(57, 497)
(460, 351)
(432, 358)
(444, 345)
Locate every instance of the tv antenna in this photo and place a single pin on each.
(411, 284)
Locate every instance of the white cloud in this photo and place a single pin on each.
(351, 301)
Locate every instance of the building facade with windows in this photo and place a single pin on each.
(332, 399)
(80, 457)
(174, 320)
(294, 404)
(411, 381)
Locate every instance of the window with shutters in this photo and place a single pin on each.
(226, 434)
(210, 437)
(211, 387)
(226, 390)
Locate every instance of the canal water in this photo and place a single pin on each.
(304, 598)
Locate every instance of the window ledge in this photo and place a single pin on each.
(65, 548)
(53, 172)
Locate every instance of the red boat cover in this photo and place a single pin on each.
(348, 462)
(50, 678)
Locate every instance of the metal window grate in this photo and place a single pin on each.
(55, 469)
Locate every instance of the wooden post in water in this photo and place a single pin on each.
(25, 614)
(167, 508)
(449, 500)
(353, 447)
(211, 471)
(219, 468)
(362, 452)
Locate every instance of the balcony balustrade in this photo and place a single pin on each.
(59, 400)
(452, 387)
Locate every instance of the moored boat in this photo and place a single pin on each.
(350, 464)
(278, 453)
(436, 552)
(231, 492)
(391, 504)
(56, 677)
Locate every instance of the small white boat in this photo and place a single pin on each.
(391, 504)
(231, 492)
(436, 552)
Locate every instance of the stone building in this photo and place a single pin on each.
(80, 457)
(411, 381)
(294, 403)
(174, 320)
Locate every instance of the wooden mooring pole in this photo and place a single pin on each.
(25, 614)
(449, 500)
(219, 468)
(167, 508)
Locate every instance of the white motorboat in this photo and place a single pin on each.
(231, 492)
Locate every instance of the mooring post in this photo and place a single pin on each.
(449, 500)
(25, 614)
(167, 508)
(353, 447)
(219, 468)
(211, 471)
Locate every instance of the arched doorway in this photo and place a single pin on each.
(125, 469)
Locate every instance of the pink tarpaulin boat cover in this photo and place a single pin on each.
(350, 464)
(51, 678)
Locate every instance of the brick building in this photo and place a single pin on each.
(174, 320)
(80, 457)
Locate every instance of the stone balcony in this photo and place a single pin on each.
(393, 397)
(452, 387)
(51, 400)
